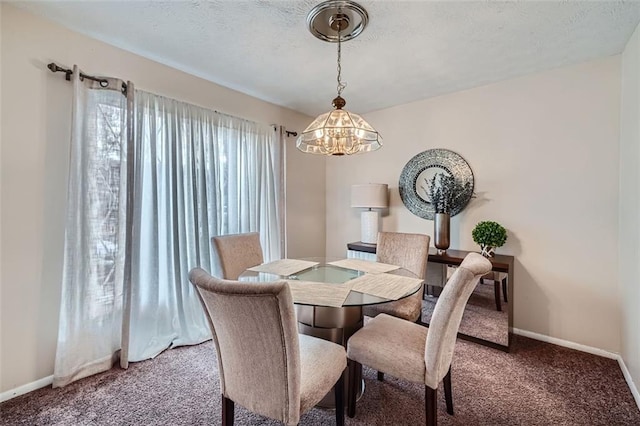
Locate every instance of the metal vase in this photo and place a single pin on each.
(441, 232)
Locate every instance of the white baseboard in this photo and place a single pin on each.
(566, 344)
(627, 376)
(21, 390)
(590, 350)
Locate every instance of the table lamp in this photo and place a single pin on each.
(369, 196)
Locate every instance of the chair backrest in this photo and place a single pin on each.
(447, 315)
(256, 337)
(410, 251)
(237, 252)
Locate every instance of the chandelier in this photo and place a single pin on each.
(338, 132)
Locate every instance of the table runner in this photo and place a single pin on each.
(283, 267)
(365, 265)
(388, 286)
(319, 294)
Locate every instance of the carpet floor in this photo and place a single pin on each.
(536, 384)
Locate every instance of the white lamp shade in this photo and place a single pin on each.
(370, 195)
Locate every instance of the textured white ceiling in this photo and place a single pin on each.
(411, 50)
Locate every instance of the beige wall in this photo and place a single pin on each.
(35, 145)
(630, 207)
(544, 152)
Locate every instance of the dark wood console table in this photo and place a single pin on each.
(501, 263)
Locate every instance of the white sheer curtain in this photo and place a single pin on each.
(89, 334)
(143, 204)
(199, 173)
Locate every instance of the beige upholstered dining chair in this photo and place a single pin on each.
(264, 364)
(412, 352)
(411, 252)
(237, 252)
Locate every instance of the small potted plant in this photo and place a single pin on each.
(489, 235)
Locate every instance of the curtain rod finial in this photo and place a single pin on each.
(55, 68)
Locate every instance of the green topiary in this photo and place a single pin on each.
(489, 235)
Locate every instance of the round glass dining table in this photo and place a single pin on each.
(326, 273)
(332, 323)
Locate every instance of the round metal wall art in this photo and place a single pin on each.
(418, 172)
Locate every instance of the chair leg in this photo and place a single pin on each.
(448, 396)
(496, 290)
(227, 411)
(381, 376)
(504, 289)
(431, 405)
(352, 366)
(339, 394)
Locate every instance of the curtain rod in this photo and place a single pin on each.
(103, 81)
(289, 133)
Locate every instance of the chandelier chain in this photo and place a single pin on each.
(341, 85)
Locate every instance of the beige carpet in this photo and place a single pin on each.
(536, 384)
